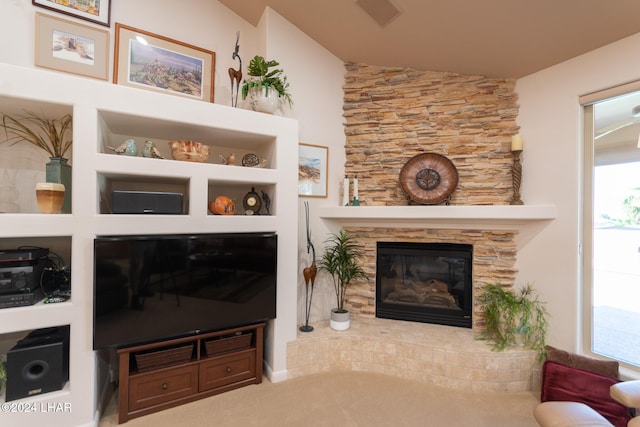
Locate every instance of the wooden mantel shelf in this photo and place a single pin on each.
(503, 217)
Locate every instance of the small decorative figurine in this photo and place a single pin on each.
(235, 75)
(267, 202)
(150, 150)
(231, 160)
(128, 148)
(222, 205)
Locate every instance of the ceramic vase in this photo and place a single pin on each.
(263, 100)
(340, 320)
(59, 171)
(50, 197)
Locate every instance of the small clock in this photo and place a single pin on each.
(252, 203)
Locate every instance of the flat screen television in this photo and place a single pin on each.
(159, 287)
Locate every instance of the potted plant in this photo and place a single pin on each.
(51, 135)
(514, 318)
(266, 87)
(3, 376)
(341, 259)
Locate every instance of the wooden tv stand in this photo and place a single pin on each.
(169, 373)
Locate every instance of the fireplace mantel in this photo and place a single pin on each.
(494, 217)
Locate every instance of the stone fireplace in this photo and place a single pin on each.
(393, 114)
(424, 282)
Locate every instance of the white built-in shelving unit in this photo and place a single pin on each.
(104, 115)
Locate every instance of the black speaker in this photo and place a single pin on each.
(146, 202)
(38, 363)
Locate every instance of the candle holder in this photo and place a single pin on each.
(516, 176)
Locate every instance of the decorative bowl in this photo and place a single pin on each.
(189, 151)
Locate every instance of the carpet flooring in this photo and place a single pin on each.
(344, 399)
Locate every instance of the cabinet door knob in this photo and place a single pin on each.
(228, 370)
(165, 386)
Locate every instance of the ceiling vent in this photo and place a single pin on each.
(382, 11)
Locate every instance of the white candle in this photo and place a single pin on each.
(516, 142)
(345, 192)
(355, 188)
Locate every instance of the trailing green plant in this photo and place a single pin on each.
(513, 318)
(47, 134)
(341, 259)
(261, 76)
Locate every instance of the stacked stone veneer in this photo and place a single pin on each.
(393, 114)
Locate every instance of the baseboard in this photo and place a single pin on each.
(274, 377)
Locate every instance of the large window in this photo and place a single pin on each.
(612, 228)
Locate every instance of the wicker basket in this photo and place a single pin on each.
(162, 358)
(226, 344)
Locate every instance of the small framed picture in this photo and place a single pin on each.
(312, 170)
(153, 62)
(98, 11)
(74, 48)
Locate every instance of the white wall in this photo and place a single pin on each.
(550, 120)
(316, 77)
(216, 30)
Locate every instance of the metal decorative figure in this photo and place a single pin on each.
(267, 202)
(309, 274)
(235, 75)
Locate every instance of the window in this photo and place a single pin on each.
(611, 244)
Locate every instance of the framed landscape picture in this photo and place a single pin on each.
(312, 170)
(153, 62)
(74, 48)
(98, 11)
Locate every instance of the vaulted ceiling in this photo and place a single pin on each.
(495, 38)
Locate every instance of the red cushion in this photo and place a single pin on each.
(564, 383)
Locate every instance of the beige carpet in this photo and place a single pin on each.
(344, 400)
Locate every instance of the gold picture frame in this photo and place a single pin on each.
(74, 48)
(313, 168)
(153, 62)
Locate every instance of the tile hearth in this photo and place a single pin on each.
(432, 354)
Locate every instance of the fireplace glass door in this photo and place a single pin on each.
(424, 282)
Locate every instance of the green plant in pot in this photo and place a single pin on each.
(341, 259)
(514, 317)
(54, 136)
(266, 87)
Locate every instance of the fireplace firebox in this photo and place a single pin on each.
(425, 282)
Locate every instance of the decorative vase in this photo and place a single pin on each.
(263, 100)
(59, 171)
(50, 197)
(340, 320)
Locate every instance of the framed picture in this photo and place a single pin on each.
(98, 11)
(75, 48)
(312, 170)
(153, 62)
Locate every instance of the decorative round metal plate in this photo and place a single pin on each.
(428, 178)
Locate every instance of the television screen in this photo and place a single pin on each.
(153, 288)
